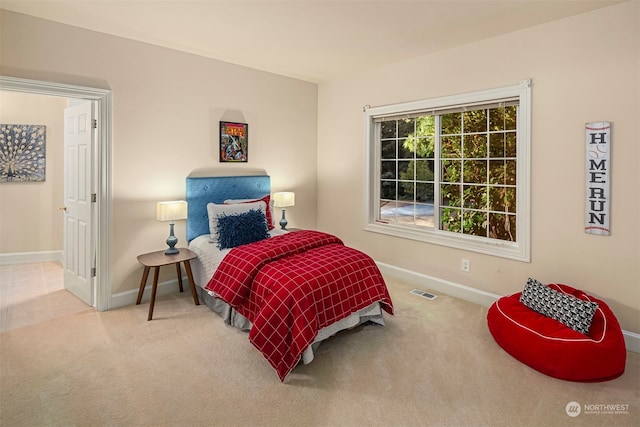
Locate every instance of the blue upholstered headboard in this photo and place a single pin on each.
(202, 189)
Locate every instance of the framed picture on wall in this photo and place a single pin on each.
(22, 153)
(234, 142)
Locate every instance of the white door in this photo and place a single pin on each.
(78, 225)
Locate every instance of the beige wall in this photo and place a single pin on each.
(166, 109)
(584, 68)
(29, 216)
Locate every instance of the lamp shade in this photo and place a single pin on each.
(170, 211)
(284, 199)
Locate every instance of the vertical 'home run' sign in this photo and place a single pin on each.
(596, 220)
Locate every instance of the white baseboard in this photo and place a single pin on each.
(125, 298)
(31, 257)
(433, 283)
(631, 339)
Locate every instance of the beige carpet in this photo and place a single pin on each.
(35, 293)
(435, 363)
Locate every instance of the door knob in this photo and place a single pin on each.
(64, 208)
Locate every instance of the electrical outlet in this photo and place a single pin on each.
(466, 265)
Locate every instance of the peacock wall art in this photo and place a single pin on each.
(22, 153)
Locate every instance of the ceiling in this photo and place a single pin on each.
(312, 40)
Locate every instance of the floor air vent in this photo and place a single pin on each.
(423, 294)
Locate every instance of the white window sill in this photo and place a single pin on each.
(482, 245)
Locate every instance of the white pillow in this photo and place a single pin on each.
(267, 199)
(215, 210)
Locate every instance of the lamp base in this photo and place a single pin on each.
(172, 240)
(283, 221)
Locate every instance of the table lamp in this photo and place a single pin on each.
(284, 200)
(171, 211)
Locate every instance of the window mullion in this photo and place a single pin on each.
(397, 176)
(436, 173)
(415, 170)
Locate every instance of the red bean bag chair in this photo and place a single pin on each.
(555, 349)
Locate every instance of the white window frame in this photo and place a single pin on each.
(520, 249)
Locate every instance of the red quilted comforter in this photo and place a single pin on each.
(292, 285)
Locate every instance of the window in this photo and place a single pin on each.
(453, 170)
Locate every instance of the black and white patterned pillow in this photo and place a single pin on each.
(573, 312)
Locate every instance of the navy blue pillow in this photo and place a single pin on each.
(240, 229)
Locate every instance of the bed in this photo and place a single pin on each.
(300, 286)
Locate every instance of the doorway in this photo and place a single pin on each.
(102, 98)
